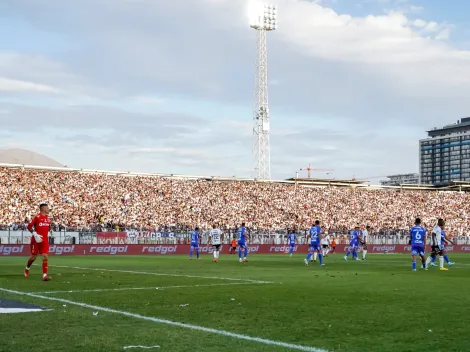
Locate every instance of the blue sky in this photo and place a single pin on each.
(158, 86)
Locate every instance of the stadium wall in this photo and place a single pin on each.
(159, 249)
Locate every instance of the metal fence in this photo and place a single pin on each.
(9, 236)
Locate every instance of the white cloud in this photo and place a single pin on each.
(13, 85)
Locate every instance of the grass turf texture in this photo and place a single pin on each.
(377, 305)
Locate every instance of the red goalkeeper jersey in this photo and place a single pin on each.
(41, 224)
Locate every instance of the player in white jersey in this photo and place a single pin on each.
(438, 242)
(216, 241)
(325, 241)
(364, 241)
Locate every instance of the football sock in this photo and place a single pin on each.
(441, 261)
(309, 255)
(414, 264)
(240, 253)
(30, 262)
(246, 252)
(347, 254)
(320, 257)
(364, 253)
(44, 267)
(315, 256)
(191, 253)
(197, 253)
(428, 261)
(433, 259)
(446, 258)
(215, 254)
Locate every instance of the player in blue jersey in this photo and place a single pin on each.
(354, 238)
(242, 245)
(292, 240)
(194, 243)
(315, 243)
(444, 241)
(418, 243)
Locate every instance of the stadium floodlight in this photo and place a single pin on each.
(263, 18)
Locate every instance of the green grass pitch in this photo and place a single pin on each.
(377, 305)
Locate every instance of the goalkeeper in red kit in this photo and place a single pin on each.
(39, 228)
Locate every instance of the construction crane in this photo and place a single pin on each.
(309, 170)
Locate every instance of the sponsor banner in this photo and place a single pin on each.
(166, 249)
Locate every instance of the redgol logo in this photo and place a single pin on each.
(7, 250)
(465, 249)
(407, 248)
(108, 249)
(281, 249)
(449, 249)
(384, 248)
(208, 249)
(59, 250)
(159, 249)
(253, 249)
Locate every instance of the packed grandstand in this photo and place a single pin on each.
(102, 201)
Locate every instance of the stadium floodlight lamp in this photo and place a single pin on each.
(263, 17)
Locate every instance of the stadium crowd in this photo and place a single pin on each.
(100, 201)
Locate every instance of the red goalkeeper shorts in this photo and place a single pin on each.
(40, 248)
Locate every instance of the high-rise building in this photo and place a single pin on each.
(445, 156)
(402, 179)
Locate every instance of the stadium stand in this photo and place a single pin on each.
(100, 200)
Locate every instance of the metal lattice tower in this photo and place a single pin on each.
(264, 20)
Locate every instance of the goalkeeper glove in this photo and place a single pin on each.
(37, 237)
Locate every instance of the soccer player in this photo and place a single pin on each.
(39, 228)
(292, 240)
(315, 239)
(437, 244)
(242, 245)
(417, 241)
(354, 237)
(444, 239)
(215, 239)
(364, 240)
(195, 236)
(326, 244)
(333, 244)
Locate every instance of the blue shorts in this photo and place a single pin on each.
(292, 245)
(242, 244)
(315, 247)
(194, 245)
(417, 250)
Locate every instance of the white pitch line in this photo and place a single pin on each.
(172, 323)
(144, 347)
(161, 274)
(143, 288)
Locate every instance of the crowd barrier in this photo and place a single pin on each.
(159, 249)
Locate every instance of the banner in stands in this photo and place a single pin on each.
(111, 237)
(164, 249)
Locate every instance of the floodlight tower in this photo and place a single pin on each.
(264, 20)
